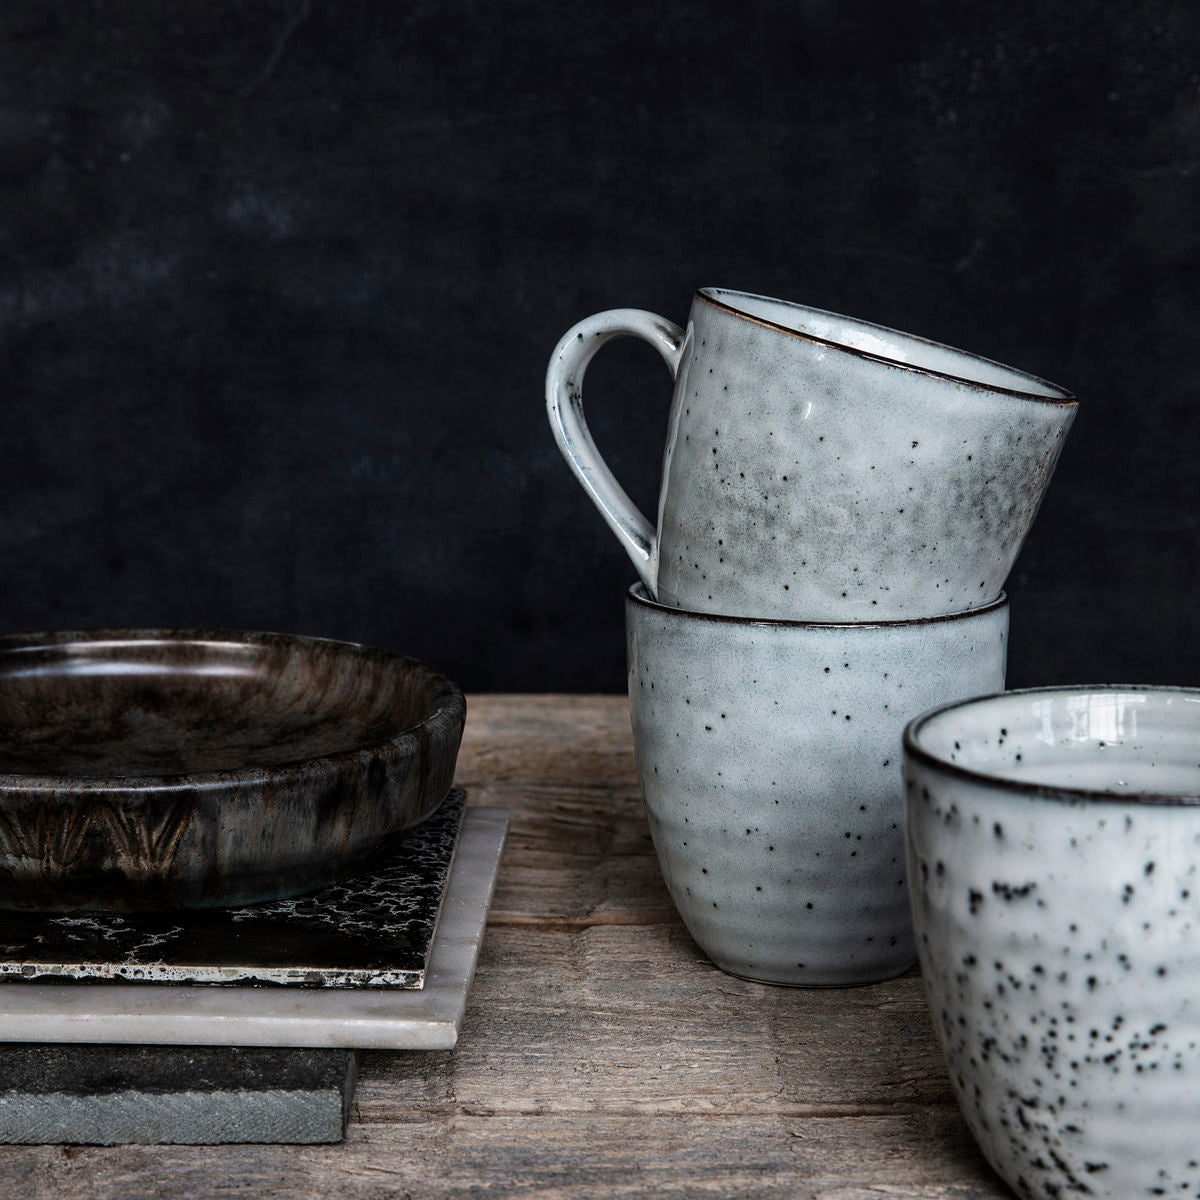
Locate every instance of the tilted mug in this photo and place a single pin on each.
(818, 467)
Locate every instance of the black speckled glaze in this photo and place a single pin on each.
(820, 468)
(1053, 856)
(768, 756)
(144, 770)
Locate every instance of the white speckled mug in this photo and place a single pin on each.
(769, 758)
(818, 467)
(1054, 864)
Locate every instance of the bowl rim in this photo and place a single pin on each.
(1045, 791)
(1063, 398)
(636, 594)
(448, 711)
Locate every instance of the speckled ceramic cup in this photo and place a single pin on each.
(818, 467)
(1054, 860)
(769, 758)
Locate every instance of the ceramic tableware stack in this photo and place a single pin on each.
(840, 507)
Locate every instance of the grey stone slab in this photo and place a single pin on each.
(173, 1095)
(372, 929)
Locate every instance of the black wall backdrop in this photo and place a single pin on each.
(279, 280)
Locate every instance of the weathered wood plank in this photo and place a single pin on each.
(919, 1156)
(576, 856)
(546, 739)
(635, 1020)
(602, 1054)
(579, 850)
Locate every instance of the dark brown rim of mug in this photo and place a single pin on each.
(1064, 398)
(1045, 791)
(633, 596)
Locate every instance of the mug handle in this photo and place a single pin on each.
(564, 404)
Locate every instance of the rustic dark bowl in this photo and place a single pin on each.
(181, 769)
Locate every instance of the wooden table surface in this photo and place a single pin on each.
(602, 1054)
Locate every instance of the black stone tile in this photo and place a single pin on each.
(371, 930)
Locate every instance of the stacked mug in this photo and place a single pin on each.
(840, 506)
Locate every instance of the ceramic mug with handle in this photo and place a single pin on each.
(819, 467)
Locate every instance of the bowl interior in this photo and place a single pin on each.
(99, 706)
(1128, 742)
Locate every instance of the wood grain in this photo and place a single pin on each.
(602, 1054)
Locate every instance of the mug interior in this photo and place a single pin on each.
(881, 342)
(1128, 743)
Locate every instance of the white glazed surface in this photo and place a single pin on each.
(769, 759)
(1056, 898)
(820, 468)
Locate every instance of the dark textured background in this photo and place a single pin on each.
(279, 280)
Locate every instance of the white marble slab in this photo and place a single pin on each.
(248, 1015)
